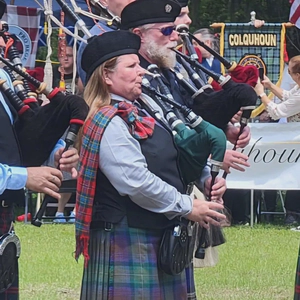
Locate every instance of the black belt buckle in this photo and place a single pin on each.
(108, 226)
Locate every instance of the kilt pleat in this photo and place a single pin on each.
(123, 265)
(13, 292)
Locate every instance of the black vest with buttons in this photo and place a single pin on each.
(9, 150)
(162, 160)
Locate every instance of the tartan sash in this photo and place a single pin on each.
(139, 128)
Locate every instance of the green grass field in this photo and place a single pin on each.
(254, 264)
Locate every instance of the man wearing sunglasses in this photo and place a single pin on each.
(153, 21)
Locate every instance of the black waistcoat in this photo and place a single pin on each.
(9, 150)
(161, 156)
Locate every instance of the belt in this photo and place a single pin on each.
(107, 226)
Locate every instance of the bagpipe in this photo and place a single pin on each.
(197, 141)
(217, 107)
(38, 128)
(240, 74)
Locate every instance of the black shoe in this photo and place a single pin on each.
(291, 219)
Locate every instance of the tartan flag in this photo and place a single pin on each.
(28, 19)
(295, 13)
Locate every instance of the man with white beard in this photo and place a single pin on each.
(157, 31)
(154, 21)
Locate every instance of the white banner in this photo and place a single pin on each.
(274, 157)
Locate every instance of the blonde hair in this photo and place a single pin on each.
(96, 93)
(295, 64)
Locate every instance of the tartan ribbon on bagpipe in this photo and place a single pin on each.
(28, 18)
(139, 127)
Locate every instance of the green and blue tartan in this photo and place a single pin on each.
(272, 56)
(139, 127)
(123, 266)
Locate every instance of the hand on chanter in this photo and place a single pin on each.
(237, 117)
(232, 133)
(218, 189)
(45, 180)
(206, 212)
(67, 161)
(236, 160)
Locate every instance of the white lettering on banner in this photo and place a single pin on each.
(274, 157)
(24, 38)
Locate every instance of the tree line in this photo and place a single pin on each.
(206, 12)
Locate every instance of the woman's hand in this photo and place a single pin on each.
(205, 213)
(259, 88)
(234, 159)
(267, 82)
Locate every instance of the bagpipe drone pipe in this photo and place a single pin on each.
(216, 107)
(196, 143)
(240, 74)
(39, 129)
(12, 54)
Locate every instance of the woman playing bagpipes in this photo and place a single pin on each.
(130, 190)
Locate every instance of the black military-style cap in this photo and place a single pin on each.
(2, 8)
(182, 3)
(106, 46)
(143, 12)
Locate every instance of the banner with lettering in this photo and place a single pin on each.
(246, 44)
(274, 156)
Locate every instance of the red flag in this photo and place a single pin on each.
(295, 13)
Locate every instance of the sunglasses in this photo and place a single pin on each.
(166, 31)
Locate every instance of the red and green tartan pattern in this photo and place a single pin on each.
(139, 127)
(270, 55)
(123, 266)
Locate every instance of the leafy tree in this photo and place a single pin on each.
(206, 12)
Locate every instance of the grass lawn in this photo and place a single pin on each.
(254, 264)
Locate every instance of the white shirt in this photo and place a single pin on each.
(288, 108)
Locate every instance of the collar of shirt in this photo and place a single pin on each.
(119, 98)
(210, 60)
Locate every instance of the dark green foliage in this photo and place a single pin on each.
(206, 12)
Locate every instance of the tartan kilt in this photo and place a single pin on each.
(6, 218)
(123, 265)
